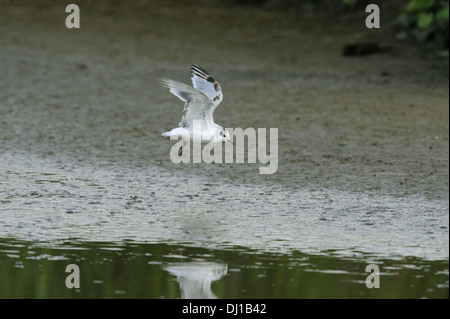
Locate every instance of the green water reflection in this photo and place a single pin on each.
(135, 270)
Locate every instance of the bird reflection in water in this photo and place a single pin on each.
(195, 278)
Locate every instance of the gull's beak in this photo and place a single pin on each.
(230, 141)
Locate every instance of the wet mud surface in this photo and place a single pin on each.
(363, 141)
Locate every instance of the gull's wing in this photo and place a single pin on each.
(204, 82)
(197, 106)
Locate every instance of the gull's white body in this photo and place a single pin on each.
(200, 102)
(209, 132)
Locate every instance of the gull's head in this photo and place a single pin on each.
(225, 136)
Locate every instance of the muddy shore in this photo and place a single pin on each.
(377, 123)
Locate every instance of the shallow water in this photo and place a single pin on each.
(86, 178)
(150, 225)
(141, 270)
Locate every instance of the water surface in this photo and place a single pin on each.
(150, 233)
(139, 270)
(86, 178)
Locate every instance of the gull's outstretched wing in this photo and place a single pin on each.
(197, 106)
(204, 82)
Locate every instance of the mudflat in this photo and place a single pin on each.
(364, 130)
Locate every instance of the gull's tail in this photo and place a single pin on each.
(180, 150)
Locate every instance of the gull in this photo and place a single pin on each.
(200, 102)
